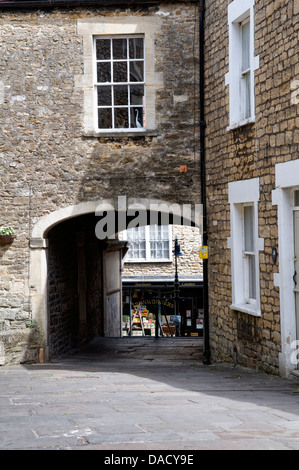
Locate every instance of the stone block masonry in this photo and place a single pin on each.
(48, 162)
(248, 152)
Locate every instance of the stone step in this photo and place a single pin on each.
(144, 348)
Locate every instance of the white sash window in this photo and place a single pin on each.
(245, 245)
(242, 63)
(119, 83)
(149, 243)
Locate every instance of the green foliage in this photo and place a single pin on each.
(6, 231)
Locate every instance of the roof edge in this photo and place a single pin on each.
(32, 4)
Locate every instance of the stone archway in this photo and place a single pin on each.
(39, 245)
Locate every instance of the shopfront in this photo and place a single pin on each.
(152, 309)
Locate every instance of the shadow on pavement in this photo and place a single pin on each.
(176, 362)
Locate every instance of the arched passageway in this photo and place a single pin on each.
(75, 285)
(76, 278)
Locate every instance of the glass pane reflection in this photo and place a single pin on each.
(119, 48)
(105, 118)
(120, 73)
(121, 120)
(136, 71)
(103, 72)
(103, 49)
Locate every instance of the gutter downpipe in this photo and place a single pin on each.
(206, 353)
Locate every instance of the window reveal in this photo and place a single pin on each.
(120, 83)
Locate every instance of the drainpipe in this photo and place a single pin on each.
(202, 124)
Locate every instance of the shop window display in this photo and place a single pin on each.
(152, 313)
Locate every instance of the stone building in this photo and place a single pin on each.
(74, 149)
(98, 112)
(252, 136)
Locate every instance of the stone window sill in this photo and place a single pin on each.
(148, 261)
(121, 134)
(250, 309)
(236, 125)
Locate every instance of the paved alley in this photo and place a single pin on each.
(151, 394)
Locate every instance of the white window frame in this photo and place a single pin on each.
(89, 28)
(113, 83)
(239, 13)
(286, 180)
(243, 194)
(249, 255)
(147, 258)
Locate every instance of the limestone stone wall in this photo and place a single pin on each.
(249, 152)
(49, 162)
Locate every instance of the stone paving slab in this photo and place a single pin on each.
(100, 399)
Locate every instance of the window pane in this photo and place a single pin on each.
(103, 49)
(130, 234)
(104, 96)
(105, 118)
(248, 228)
(103, 72)
(136, 71)
(159, 249)
(159, 242)
(137, 250)
(165, 230)
(154, 252)
(137, 95)
(136, 48)
(136, 238)
(120, 73)
(245, 29)
(119, 48)
(137, 118)
(166, 249)
(296, 198)
(153, 232)
(140, 251)
(121, 95)
(252, 277)
(121, 120)
(247, 95)
(136, 233)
